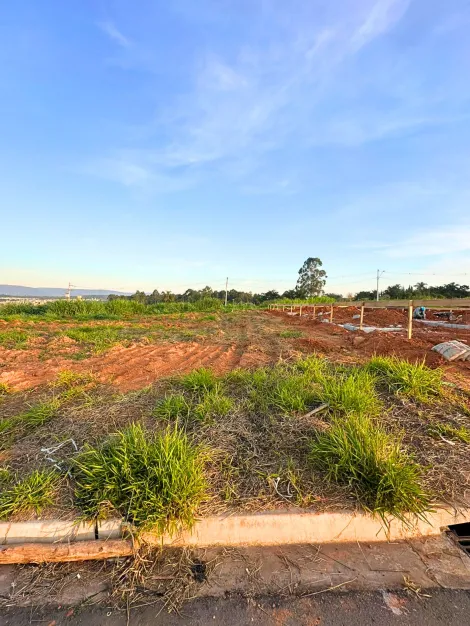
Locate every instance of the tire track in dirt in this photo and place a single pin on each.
(128, 368)
(248, 340)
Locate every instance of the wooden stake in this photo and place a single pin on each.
(331, 314)
(300, 311)
(410, 319)
(361, 323)
(322, 407)
(314, 311)
(291, 308)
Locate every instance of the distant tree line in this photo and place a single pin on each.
(418, 291)
(310, 283)
(234, 296)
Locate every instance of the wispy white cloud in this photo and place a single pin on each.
(432, 242)
(301, 88)
(136, 169)
(383, 15)
(114, 33)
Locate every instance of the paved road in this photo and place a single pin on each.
(444, 608)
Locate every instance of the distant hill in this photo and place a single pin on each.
(53, 292)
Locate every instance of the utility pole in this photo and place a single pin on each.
(379, 274)
(226, 291)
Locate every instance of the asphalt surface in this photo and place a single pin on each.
(444, 607)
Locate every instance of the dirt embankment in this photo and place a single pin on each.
(338, 342)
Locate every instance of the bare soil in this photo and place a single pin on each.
(245, 339)
(269, 467)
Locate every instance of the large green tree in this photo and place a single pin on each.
(311, 279)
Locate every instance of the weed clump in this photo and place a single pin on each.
(39, 414)
(13, 428)
(4, 389)
(99, 338)
(315, 368)
(351, 392)
(213, 404)
(290, 334)
(280, 389)
(153, 480)
(414, 380)
(14, 339)
(360, 453)
(292, 394)
(450, 432)
(172, 407)
(32, 494)
(69, 379)
(200, 381)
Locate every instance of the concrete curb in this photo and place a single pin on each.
(54, 531)
(262, 529)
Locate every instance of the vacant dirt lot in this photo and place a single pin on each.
(132, 354)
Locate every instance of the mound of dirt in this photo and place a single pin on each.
(387, 344)
(312, 345)
(385, 317)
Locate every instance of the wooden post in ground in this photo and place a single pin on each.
(314, 311)
(331, 314)
(361, 322)
(410, 319)
(291, 308)
(300, 311)
(63, 552)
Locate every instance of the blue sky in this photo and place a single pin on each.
(153, 144)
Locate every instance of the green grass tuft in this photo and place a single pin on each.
(238, 377)
(98, 338)
(200, 381)
(172, 407)
(450, 432)
(40, 413)
(315, 368)
(4, 389)
(6, 475)
(153, 480)
(213, 404)
(358, 452)
(32, 494)
(281, 389)
(292, 394)
(69, 379)
(15, 427)
(14, 339)
(414, 380)
(287, 334)
(351, 392)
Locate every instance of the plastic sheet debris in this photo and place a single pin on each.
(453, 350)
(370, 329)
(444, 324)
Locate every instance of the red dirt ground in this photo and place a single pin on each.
(247, 340)
(334, 340)
(130, 367)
